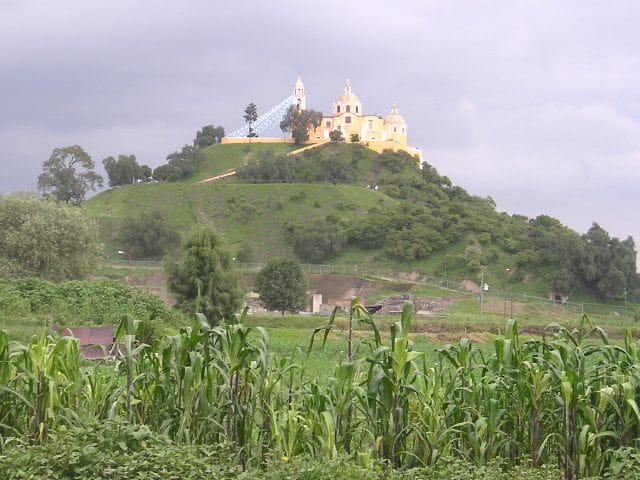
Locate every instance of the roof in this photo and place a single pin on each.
(348, 97)
(94, 342)
(394, 117)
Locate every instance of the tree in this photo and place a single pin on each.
(317, 242)
(45, 238)
(250, 116)
(167, 173)
(335, 136)
(609, 265)
(269, 167)
(564, 282)
(282, 286)
(125, 170)
(180, 164)
(336, 169)
(354, 137)
(203, 279)
(147, 236)
(68, 174)
(208, 135)
(299, 122)
(396, 161)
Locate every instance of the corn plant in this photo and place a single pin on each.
(569, 398)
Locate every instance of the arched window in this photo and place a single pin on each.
(357, 109)
(348, 108)
(338, 109)
(395, 129)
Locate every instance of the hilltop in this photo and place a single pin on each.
(345, 204)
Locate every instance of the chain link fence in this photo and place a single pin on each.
(422, 279)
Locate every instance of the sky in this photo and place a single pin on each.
(534, 103)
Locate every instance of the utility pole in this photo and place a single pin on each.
(130, 257)
(446, 283)
(481, 289)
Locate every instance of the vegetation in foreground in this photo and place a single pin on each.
(565, 402)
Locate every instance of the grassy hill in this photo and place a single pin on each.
(255, 214)
(219, 159)
(391, 215)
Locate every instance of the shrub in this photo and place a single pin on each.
(203, 280)
(282, 286)
(111, 450)
(316, 242)
(79, 302)
(45, 238)
(148, 236)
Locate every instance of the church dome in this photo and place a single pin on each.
(348, 97)
(394, 118)
(347, 102)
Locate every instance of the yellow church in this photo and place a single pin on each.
(377, 132)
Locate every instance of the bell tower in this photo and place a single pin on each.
(299, 97)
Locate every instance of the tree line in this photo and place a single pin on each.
(69, 172)
(433, 213)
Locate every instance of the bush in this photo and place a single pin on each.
(282, 286)
(118, 451)
(79, 302)
(148, 236)
(45, 238)
(268, 167)
(111, 450)
(317, 242)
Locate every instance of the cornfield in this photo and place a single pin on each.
(568, 399)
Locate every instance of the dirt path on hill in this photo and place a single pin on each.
(217, 177)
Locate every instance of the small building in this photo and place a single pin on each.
(94, 342)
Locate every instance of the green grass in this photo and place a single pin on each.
(322, 360)
(22, 332)
(258, 214)
(220, 159)
(111, 207)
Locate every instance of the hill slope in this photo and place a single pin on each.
(344, 203)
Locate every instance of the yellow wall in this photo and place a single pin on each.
(368, 127)
(379, 146)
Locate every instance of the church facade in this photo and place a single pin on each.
(347, 116)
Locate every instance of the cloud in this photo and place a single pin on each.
(533, 103)
(579, 164)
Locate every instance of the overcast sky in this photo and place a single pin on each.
(535, 103)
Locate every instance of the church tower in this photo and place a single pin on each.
(299, 97)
